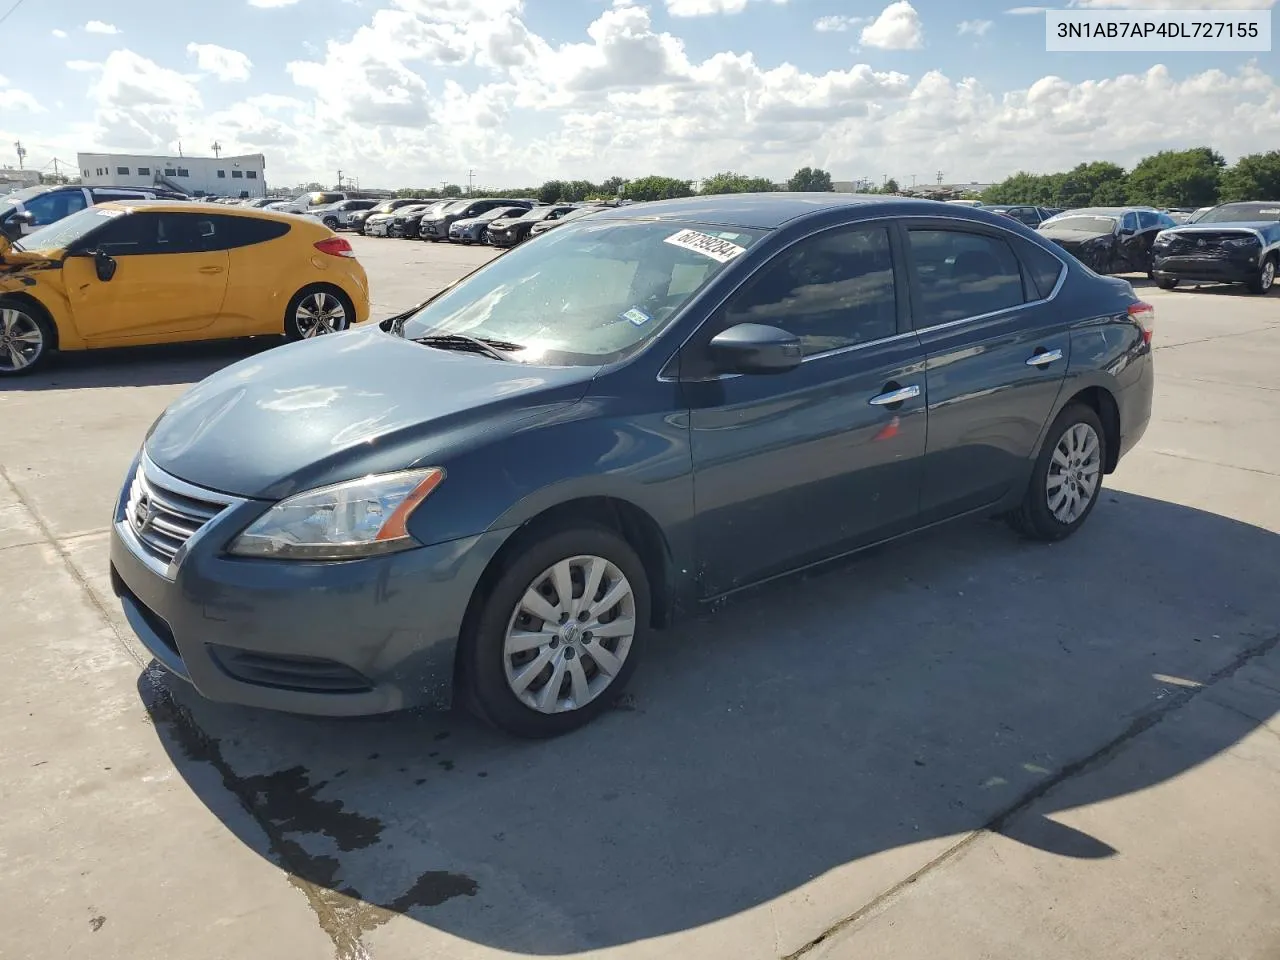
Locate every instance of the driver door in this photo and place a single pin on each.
(796, 467)
(169, 283)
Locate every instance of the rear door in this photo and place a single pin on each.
(996, 355)
(169, 283)
(796, 467)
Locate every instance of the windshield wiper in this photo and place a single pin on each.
(462, 341)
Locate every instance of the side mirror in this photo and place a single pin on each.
(104, 265)
(755, 348)
(25, 216)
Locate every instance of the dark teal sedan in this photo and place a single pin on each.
(498, 494)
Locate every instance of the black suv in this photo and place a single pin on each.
(26, 210)
(436, 226)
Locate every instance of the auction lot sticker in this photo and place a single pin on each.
(716, 248)
(1157, 31)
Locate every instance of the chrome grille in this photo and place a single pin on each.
(163, 513)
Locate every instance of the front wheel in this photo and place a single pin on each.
(1066, 479)
(1266, 277)
(1166, 283)
(557, 635)
(315, 311)
(26, 338)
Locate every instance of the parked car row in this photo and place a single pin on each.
(1228, 243)
(498, 221)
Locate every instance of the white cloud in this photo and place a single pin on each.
(269, 4)
(1027, 11)
(83, 66)
(60, 34)
(97, 26)
(700, 8)
(225, 64)
(12, 99)
(836, 23)
(897, 28)
(977, 28)
(626, 97)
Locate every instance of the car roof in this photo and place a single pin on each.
(766, 211)
(196, 207)
(1106, 211)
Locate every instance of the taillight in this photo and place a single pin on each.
(335, 247)
(1144, 315)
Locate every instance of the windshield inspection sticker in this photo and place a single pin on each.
(717, 249)
(637, 316)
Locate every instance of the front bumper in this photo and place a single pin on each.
(334, 639)
(1215, 269)
(432, 230)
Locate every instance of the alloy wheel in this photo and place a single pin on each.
(1074, 471)
(570, 634)
(320, 313)
(21, 340)
(1268, 275)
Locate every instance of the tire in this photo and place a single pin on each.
(1266, 278)
(495, 673)
(295, 327)
(28, 338)
(331, 223)
(1036, 519)
(1167, 283)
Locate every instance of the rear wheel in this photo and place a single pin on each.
(1067, 477)
(1166, 283)
(27, 338)
(1266, 278)
(315, 311)
(557, 635)
(331, 223)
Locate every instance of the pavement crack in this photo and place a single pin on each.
(72, 569)
(1139, 725)
(1212, 463)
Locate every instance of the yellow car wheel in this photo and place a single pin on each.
(27, 337)
(317, 310)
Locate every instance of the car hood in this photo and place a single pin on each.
(1072, 236)
(345, 405)
(1268, 228)
(14, 262)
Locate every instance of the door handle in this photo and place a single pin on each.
(895, 396)
(1044, 359)
(210, 269)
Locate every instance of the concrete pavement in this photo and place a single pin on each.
(961, 743)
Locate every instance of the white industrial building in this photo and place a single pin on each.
(198, 176)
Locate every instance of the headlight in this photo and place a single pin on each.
(1240, 242)
(359, 518)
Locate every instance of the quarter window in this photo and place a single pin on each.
(832, 290)
(963, 275)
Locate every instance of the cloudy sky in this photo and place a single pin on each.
(413, 92)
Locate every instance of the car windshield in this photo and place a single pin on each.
(588, 295)
(63, 233)
(22, 196)
(1241, 213)
(1083, 224)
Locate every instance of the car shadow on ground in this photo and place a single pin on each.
(140, 366)
(920, 691)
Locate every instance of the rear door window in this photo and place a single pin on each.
(961, 275)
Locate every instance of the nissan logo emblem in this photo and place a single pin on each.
(142, 513)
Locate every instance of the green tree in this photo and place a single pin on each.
(890, 186)
(575, 191)
(451, 190)
(730, 182)
(654, 187)
(1099, 183)
(809, 180)
(551, 191)
(1177, 178)
(1255, 177)
(609, 188)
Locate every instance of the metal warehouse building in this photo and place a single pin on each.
(199, 176)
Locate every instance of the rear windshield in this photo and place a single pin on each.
(1083, 224)
(1242, 213)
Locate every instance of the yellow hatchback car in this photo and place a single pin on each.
(163, 271)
